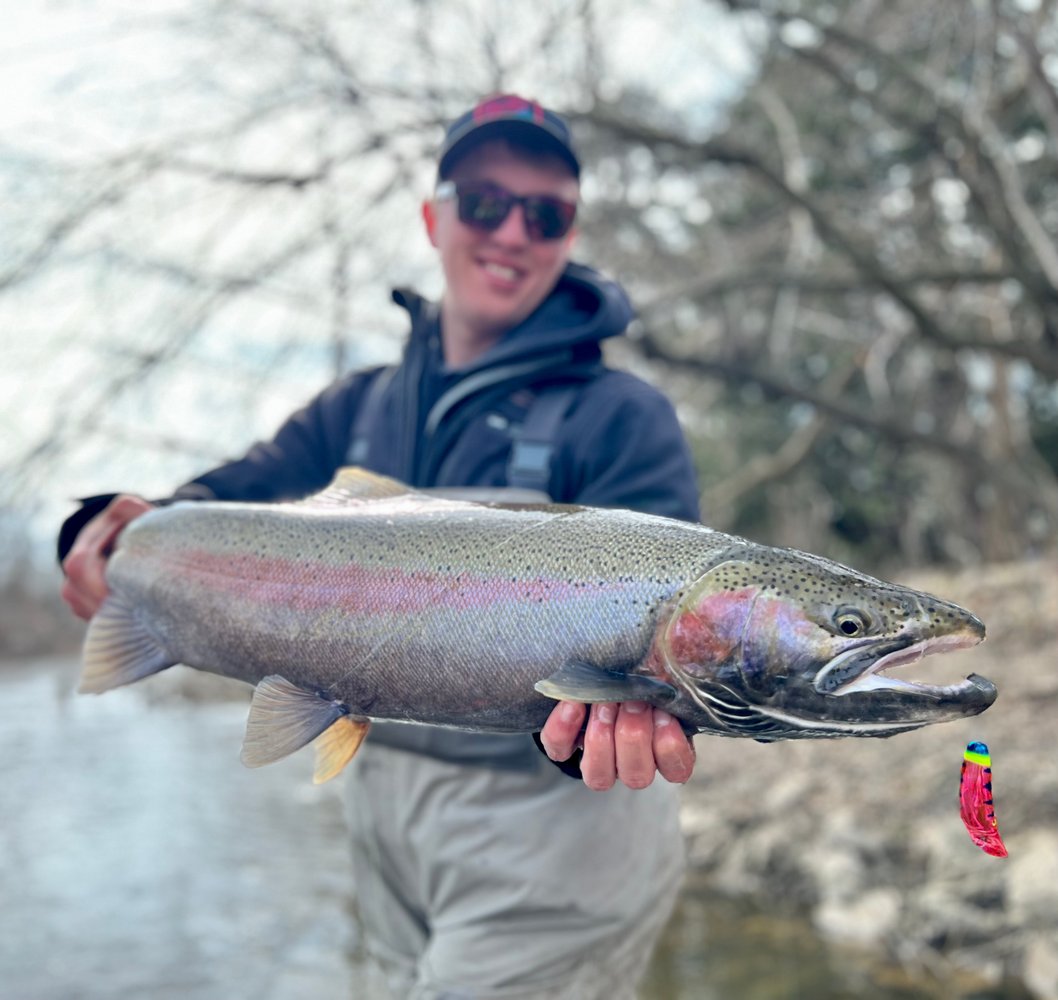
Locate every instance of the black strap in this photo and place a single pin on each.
(529, 465)
(367, 416)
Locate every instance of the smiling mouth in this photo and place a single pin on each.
(501, 271)
(874, 679)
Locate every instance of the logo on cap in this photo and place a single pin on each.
(508, 106)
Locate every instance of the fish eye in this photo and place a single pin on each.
(851, 622)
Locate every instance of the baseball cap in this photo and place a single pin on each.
(502, 116)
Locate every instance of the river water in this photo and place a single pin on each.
(139, 858)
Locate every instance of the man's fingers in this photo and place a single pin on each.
(598, 765)
(79, 604)
(561, 733)
(85, 587)
(673, 750)
(628, 742)
(633, 744)
(113, 519)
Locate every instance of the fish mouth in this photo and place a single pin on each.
(862, 669)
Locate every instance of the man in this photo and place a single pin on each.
(481, 870)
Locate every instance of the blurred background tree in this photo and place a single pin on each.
(838, 221)
(860, 282)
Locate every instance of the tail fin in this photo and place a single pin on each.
(119, 649)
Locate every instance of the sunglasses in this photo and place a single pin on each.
(484, 206)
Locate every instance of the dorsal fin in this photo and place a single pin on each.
(352, 484)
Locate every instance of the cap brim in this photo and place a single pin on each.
(529, 133)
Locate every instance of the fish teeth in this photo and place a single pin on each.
(871, 679)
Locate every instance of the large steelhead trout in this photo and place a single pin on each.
(371, 601)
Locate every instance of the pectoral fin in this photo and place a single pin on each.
(582, 682)
(284, 718)
(119, 649)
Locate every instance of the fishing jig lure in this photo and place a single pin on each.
(975, 800)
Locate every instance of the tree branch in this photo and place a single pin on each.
(652, 347)
(814, 283)
(1046, 362)
(251, 178)
(977, 130)
(1046, 97)
(764, 468)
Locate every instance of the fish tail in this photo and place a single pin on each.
(119, 649)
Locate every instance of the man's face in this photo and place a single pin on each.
(495, 279)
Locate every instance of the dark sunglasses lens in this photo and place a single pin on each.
(547, 218)
(485, 208)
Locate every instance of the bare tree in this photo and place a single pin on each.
(881, 251)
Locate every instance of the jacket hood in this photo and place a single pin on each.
(583, 308)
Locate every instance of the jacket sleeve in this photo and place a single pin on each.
(625, 448)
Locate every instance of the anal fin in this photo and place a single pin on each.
(577, 681)
(284, 718)
(118, 649)
(337, 745)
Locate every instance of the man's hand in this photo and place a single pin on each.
(630, 742)
(85, 565)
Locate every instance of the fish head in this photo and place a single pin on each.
(779, 644)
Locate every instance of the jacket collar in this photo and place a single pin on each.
(583, 308)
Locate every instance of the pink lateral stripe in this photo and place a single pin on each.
(308, 586)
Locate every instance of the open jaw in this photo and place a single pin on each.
(873, 677)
